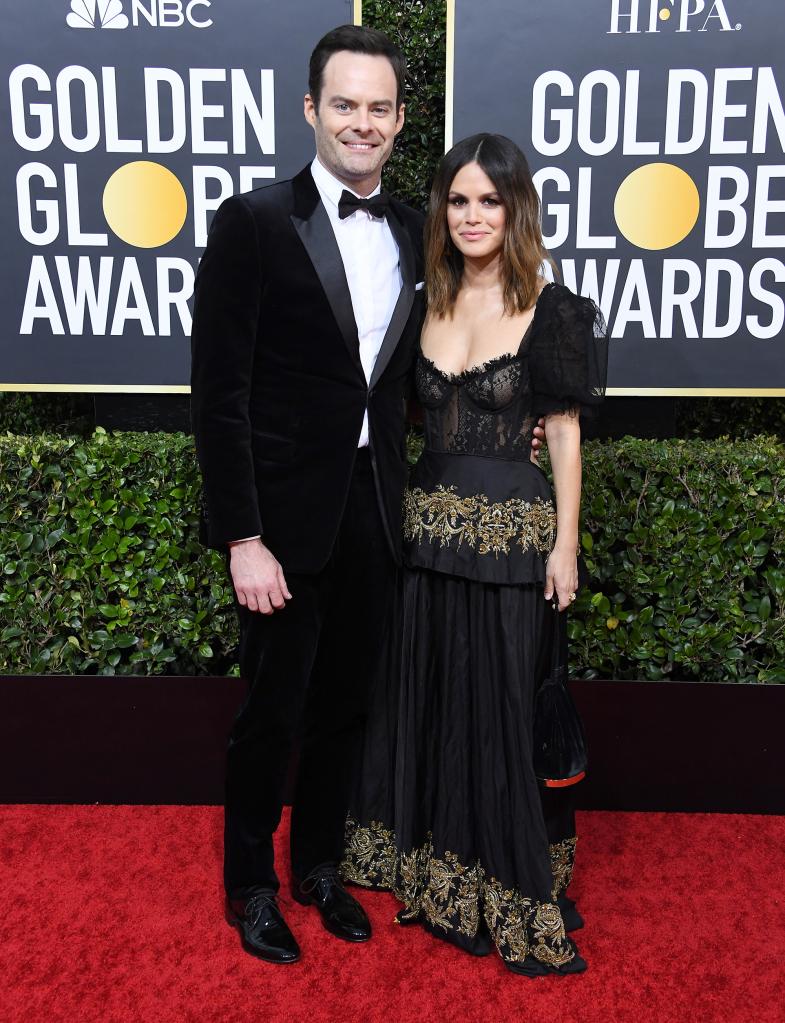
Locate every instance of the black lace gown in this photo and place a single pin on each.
(448, 813)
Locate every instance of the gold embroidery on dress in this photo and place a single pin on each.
(488, 528)
(449, 898)
(451, 895)
(369, 855)
(562, 863)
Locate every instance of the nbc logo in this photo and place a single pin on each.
(96, 14)
(156, 13)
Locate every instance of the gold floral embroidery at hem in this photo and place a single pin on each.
(562, 863)
(452, 896)
(449, 895)
(369, 855)
(487, 527)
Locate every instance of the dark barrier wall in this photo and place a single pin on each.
(656, 131)
(122, 127)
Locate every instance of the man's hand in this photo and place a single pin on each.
(257, 577)
(538, 438)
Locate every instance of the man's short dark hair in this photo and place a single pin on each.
(355, 39)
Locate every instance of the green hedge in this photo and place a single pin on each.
(102, 570)
(684, 543)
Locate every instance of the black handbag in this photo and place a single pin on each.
(560, 757)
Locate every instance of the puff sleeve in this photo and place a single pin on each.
(568, 355)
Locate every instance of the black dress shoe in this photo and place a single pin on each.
(341, 914)
(263, 930)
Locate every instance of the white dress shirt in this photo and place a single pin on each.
(370, 259)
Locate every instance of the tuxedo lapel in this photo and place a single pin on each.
(405, 299)
(313, 225)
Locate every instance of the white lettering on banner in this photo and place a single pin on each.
(47, 208)
(634, 304)
(768, 104)
(632, 144)
(38, 284)
(224, 111)
(80, 98)
(777, 269)
(72, 211)
(169, 13)
(732, 291)
(201, 111)
(583, 237)
(84, 296)
(114, 144)
(693, 15)
(731, 205)
(654, 206)
(607, 102)
(154, 78)
(131, 301)
(37, 112)
(89, 294)
(560, 211)
(764, 205)
(720, 285)
(87, 101)
(674, 145)
(560, 116)
(205, 203)
(610, 100)
(39, 215)
(169, 298)
(673, 299)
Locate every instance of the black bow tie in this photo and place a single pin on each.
(377, 205)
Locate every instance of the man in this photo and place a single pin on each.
(305, 316)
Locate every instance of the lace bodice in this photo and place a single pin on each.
(492, 409)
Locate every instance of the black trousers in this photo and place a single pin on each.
(309, 669)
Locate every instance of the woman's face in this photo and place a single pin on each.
(475, 213)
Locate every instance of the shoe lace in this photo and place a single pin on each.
(323, 872)
(256, 903)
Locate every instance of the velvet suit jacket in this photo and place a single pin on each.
(278, 392)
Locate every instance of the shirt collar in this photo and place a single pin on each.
(329, 186)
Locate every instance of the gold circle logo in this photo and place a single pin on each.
(664, 14)
(145, 204)
(656, 206)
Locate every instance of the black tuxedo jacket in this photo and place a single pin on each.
(278, 392)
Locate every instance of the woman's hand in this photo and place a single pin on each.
(561, 576)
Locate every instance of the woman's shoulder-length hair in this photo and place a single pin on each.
(523, 252)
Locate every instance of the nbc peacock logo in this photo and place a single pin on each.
(96, 14)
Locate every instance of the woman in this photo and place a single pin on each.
(449, 814)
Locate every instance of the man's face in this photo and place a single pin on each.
(357, 119)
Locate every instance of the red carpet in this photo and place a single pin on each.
(113, 914)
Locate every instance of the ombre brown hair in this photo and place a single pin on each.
(523, 252)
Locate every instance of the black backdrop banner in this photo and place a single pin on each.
(123, 124)
(655, 132)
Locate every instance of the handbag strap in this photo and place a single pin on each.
(559, 643)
